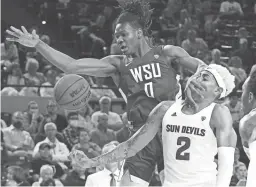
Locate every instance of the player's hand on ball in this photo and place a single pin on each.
(23, 37)
(78, 157)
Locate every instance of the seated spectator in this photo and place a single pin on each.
(18, 140)
(102, 134)
(17, 174)
(47, 173)
(53, 116)
(216, 54)
(32, 119)
(45, 158)
(231, 7)
(241, 174)
(246, 54)
(32, 75)
(89, 148)
(50, 81)
(9, 51)
(59, 150)
(103, 90)
(235, 66)
(71, 132)
(84, 116)
(76, 177)
(114, 120)
(110, 175)
(237, 162)
(235, 105)
(193, 44)
(16, 76)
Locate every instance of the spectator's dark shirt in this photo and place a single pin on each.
(73, 179)
(60, 122)
(247, 57)
(39, 162)
(234, 180)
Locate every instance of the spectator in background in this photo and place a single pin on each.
(16, 76)
(235, 66)
(45, 158)
(71, 132)
(59, 150)
(53, 116)
(216, 54)
(9, 91)
(76, 177)
(236, 159)
(235, 107)
(32, 75)
(124, 133)
(109, 176)
(84, 116)
(50, 81)
(32, 119)
(16, 138)
(9, 52)
(241, 174)
(193, 44)
(47, 173)
(231, 7)
(17, 174)
(114, 120)
(99, 89)
(246, 54)
(102, 134)
(89, 148)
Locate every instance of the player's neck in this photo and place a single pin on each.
(193, 108)
(142, 49)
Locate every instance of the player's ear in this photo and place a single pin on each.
(139, 33)
(218, 91)
(251, 97)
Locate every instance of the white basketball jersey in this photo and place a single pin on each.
(189, 147)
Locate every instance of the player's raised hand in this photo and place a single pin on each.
(23, 36)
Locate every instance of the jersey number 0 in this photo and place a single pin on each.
(149, 89)
(181, 154)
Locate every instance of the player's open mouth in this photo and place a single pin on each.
(124, 48)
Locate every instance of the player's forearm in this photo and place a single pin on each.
(60, 60)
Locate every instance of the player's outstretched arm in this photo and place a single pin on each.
(88, 66)
(185, 60)
(137, 142)
(226, 139)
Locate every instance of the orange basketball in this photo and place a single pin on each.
(72, 92)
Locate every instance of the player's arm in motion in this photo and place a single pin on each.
(88, 66)
(226, 140)
(247, 130)
(137, 142)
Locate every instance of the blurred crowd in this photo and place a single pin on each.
(35, 146)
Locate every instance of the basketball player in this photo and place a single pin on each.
(191, 137)
(247, 126)
(144, 75)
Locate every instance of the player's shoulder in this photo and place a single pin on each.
(221, 116)
(164, 105)
(248, 120)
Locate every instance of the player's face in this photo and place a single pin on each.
(126, 37)
(207, 81)
(247, 98)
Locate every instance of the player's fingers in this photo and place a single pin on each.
(195, 91)
(12, 39)
(24, 30)
(17, 31)
(12, 33)
(197, 85)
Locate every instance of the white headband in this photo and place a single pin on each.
(219, 80)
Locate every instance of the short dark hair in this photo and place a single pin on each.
(137, 13)
(71, 114)
(252, 83)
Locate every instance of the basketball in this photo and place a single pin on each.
(72, 92)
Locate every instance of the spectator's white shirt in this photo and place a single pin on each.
(102, 178)
(227, 6)
(113, 118)
(45, 91)
(59, 153)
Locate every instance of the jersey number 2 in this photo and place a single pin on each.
(180, 155)
(149, 89)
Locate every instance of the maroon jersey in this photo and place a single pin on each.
(145, 82)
